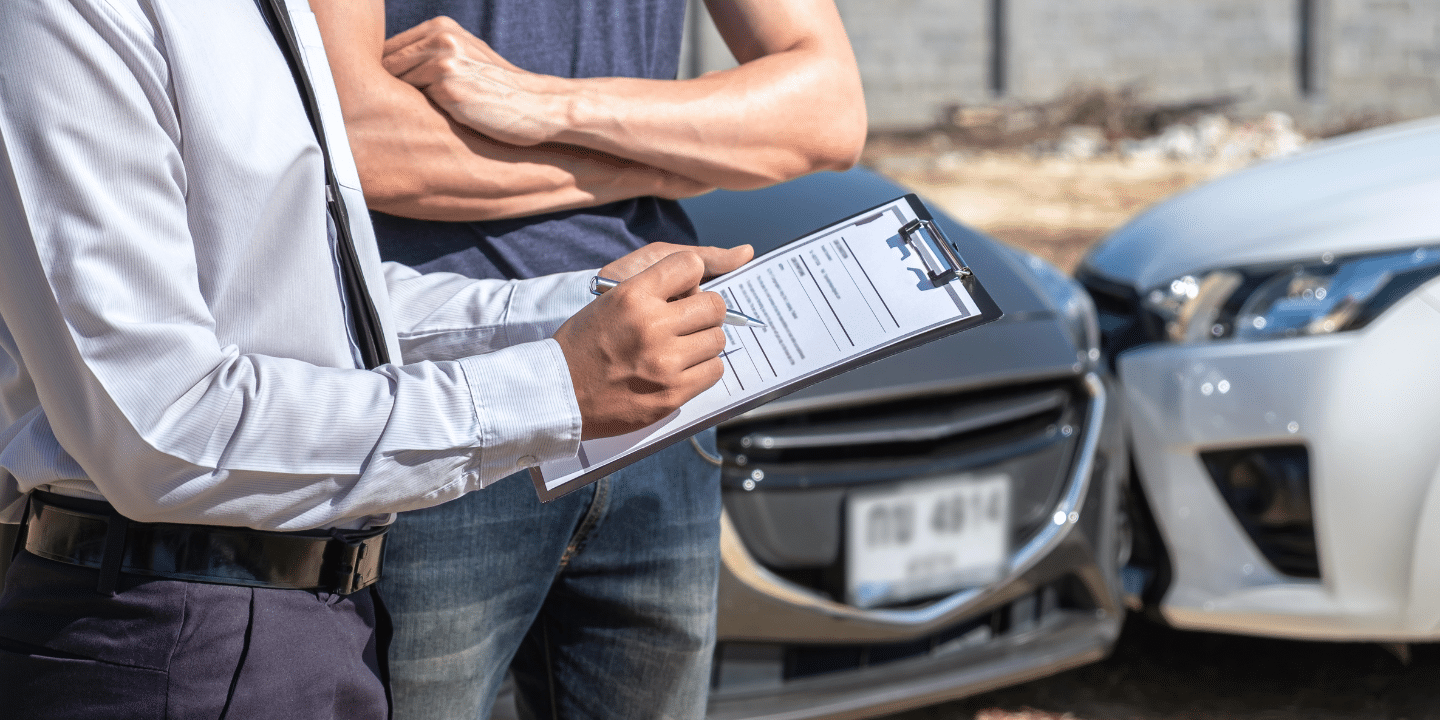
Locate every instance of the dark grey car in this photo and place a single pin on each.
(1020, 404)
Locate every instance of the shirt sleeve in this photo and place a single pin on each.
(444, 316)
(105, 315)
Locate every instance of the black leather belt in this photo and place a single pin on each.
(91, 534)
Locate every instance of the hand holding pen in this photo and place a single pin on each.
(598, 285)
(639, 351)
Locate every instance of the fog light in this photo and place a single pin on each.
(1268, 490)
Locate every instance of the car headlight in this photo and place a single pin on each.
(1332, 294)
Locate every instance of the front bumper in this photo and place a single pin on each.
(786, 651)
(1365, 405)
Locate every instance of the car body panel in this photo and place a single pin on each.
(1045, 650)
(1341, 395)
(1362, 403)
(1011, 349)
(1370, 191)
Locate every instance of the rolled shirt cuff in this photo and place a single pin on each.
(525, 408)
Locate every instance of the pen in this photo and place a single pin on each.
(599, 285)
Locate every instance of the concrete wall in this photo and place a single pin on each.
(1175, 50)
(1379, 57)
(917, 56)
(1382, 55)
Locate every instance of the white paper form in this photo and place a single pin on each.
(840, 293)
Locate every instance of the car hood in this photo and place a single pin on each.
(1365, 192)
(776, 215)
(1030, 341)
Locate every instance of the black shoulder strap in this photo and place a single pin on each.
(364, 318)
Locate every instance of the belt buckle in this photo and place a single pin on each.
(359, 562)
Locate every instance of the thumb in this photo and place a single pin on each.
(719, 261)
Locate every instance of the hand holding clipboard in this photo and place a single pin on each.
(869, 286)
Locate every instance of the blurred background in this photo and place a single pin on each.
(1049, 122)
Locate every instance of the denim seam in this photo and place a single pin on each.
(598, 505)
(549, 671)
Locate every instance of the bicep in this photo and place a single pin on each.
(383, 115)
(354, 32)
(753, 29)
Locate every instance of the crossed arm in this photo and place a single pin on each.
(444, 128)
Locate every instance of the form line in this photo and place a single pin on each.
(868, 306)
(866, 275)
(731, 298)
(818, 289)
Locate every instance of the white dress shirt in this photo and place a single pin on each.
(172, 328)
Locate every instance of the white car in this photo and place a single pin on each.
(1276, 335)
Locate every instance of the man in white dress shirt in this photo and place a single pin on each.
(189, 422)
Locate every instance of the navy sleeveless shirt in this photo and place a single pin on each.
(568, 38)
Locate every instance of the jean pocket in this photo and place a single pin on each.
(706, 446)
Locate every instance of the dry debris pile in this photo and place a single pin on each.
(1209, 137)
(1088, 123)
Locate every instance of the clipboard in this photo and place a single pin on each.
(874, 284)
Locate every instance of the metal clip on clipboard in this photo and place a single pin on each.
(942, 261)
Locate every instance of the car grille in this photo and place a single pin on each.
(800, 467)
(1123, 325)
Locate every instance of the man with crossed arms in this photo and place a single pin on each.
(557, 142)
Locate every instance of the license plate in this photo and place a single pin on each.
(914, 540)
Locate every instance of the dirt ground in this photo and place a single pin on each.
(1158, 673)
(1057, 209)
(1053, 207)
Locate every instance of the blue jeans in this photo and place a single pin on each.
(602, 602)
